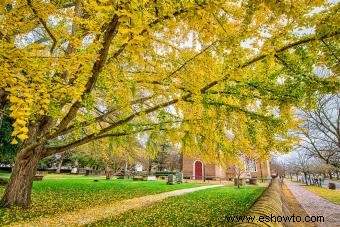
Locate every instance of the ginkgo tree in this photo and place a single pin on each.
(219, 77)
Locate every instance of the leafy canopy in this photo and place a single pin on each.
(216, 76)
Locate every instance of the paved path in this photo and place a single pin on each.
(90, 215)
(314, 205)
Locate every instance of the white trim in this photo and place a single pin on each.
(194, 170)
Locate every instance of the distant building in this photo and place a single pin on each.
(197, 169)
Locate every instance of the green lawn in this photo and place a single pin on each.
(63, 193)
(4, 174)
(331, 195)
(203, 208)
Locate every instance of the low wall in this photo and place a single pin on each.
(269, 204)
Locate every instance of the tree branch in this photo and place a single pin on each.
(109, 34)
(280, 50)
(144, 31)
(187, 96)
(330, 50)
(239, 109)
(29, 3)
(92, 137)
(191, 59)
(99, 118)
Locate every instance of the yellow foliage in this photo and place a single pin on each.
(227, 74)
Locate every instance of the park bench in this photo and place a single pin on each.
(137, 178)
(149, 178)
(163, 173)
(240, 183)
(253, 181)
(38, 177)
(210, 178)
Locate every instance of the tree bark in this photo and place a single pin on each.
(126, 168)
(60, 162)
(149, 166)
(108, 172)
(261, 172)
(306, 180)
(3, 102)
(181, 162)
(330, 175)
(18, 190)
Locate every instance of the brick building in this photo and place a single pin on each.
(197, 169)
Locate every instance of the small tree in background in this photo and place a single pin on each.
(239, 169)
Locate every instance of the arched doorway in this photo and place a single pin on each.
(198, 167)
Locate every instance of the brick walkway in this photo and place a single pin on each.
(314, 205)
(93, 214)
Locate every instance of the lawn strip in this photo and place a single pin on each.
(56, 196)
(328, 194)
(203, 208)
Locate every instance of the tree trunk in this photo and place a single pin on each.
(3, 102)
(330, 175)
(306, 179)
(126, 168)
(181, 162)
(18, 190)
(261, 172)
(60, 162)
(149, 166)
(108, 172)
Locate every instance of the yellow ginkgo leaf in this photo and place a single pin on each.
(22, 136)
(24, 130)
(14, 99)
(14, 141)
